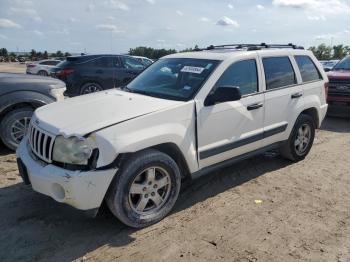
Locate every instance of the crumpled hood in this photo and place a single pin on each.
(84, 114)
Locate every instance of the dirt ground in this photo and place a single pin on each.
(303, 214)
(14, 67)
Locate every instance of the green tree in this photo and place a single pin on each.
(3, 52)
(59, 54)
(67, 54)
(339, 51)
(45, 55)
(322, 52)
(150, 52)
(32, 55)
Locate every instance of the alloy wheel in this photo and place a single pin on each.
(19, 129)
(150, 190)
(302, 139)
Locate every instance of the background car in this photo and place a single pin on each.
(20, 95)
(42, 67)
(91, 73)
(339, 88)
(328, 64)
(146, 61)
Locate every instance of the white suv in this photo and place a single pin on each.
(185, 115)
(42, 68)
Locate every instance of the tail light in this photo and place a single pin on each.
(326, 86)
(31, 65)
(65, 72)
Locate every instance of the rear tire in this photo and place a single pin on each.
(300, 140)
(14, 126)
(89, 88)
(42, 73)
(145, 189)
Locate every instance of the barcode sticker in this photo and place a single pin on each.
(192, 69)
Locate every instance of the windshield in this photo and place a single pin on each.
(343, 64)
(173, 78)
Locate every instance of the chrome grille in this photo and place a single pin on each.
(41, 143)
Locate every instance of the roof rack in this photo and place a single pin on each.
(250, 47)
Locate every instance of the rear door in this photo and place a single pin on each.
(102, 71)
(283, 96)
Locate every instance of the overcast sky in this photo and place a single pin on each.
(116, 25)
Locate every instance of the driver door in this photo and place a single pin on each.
(231, 129)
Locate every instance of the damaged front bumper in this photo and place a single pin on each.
(83, 190)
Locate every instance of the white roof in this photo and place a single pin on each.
(223, 54)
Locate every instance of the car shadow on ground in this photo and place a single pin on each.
(4, 150)
(57, 232)
(336, 124)
(33, 218)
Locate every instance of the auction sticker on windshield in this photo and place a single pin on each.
(192, 69)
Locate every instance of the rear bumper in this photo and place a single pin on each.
(82, 190)
(323, 112)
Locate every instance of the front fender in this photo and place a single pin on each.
(175, 125)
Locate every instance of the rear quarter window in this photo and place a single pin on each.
(279, 72)
(308, 70)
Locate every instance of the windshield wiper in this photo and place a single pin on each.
(126, 88)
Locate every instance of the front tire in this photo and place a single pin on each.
(145, 189)
(300, 140)
(14, 126)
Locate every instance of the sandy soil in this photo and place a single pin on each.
(303, 214)
(14, 67)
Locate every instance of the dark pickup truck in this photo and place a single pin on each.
(20, 95)
(339, 89)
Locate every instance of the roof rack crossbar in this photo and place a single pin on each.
(251, 46)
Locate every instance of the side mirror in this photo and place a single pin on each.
(223, 94)
(327, 69)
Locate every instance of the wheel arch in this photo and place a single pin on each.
(20, 104)
(313, 113)
(170, 149)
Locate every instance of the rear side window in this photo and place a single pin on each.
(278, 72)
(104, 62)
(307, 68)
(242, 74)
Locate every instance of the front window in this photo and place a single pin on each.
(343, 64)
(173, 78)
(242, 74)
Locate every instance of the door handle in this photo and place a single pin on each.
(99, 71)
(254, 106)
(297, 95)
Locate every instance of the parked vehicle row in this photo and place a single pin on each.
(91, 73)
(185, 115)
(328, 64)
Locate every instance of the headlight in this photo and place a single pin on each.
(58, 93)
(73, 150)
